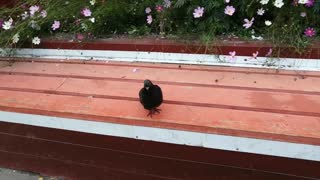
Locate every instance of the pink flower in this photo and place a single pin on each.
(55, 25)
(248, 23)
(86, 12)
(229, 10)
(310, 3)
(159, 8)
(310, 32)
(148, 10)
(79, 36)
(232, 56)
(34, 9)
(167, 3)
(255, 55)
(198, 12)
(269, 52)
(149, 19)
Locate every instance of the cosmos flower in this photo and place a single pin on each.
(55, 25)
(268, 23)
(229, 10)
(278, 3)
(43, 13)
(167, 3)
(255, 55)
(232, 56)
(93, 20)
(269, 52)
(148, 10)
(149, 19)
(159, 8)
(36, 40)
(198, 12)
(310, 32)
(86, 12)
(260, 11)
(92, 2)
(248, 23)
(309, 3)
(34, 9)
(7, 24)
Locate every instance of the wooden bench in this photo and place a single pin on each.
(83, 120)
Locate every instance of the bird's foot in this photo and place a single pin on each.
(155, 110)
(151, 112)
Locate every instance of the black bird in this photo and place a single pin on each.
(151, 97)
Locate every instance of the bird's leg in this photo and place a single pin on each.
(155, 110)
(151, 112)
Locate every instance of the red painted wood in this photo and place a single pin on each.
(65, 90)
(243, 48)
(259, 125)
(236, 80)
(271, 108)
(300, 104)
(44, 150)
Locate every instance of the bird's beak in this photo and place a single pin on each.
(147, 88)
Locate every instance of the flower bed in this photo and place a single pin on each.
(280, 22)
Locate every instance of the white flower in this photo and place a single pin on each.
(227, 1)
(36, 40)
(44, 13)
(263, 2)
(260, 38)
(148, 10)
(268, 23)
(7, 24)
(15, 38)
(303, 1)
(278, 3)
(25, 15)
(260, 11)
(92, 20)
(92, 2)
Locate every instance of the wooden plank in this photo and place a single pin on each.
(264, 101)
(201, 119)
(123, 161)
(168, 151)
(277, 83)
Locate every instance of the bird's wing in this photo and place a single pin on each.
(141, 95)
(157, 95)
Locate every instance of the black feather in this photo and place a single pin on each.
(150, 96)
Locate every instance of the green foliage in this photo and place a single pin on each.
(129, 17)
